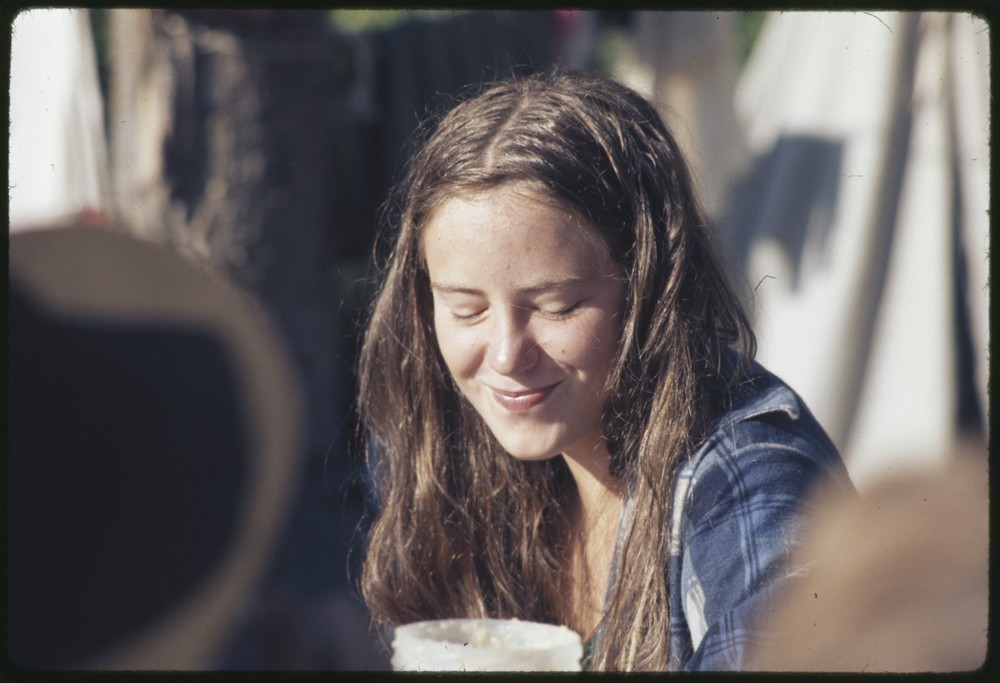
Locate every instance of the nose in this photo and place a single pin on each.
(512, 349)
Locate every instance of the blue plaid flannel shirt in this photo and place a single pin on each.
(739, 504)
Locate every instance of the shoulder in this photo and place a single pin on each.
(765, 450)
(759, 419)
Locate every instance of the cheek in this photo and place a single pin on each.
(588, 347)
(458, 350)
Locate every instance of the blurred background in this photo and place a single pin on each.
(843, 156)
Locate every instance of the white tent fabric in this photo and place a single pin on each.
(872, 130)
(57, 152)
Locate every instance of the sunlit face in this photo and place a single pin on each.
(527, 307)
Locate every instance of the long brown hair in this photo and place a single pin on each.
(463, 529)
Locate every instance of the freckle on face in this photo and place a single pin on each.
(504, 266)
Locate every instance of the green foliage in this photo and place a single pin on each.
(361, 20)
(748, 26)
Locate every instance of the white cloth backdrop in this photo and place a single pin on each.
(57, 153)
(858, 314)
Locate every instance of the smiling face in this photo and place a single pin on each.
(527, 306)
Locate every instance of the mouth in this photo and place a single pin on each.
(520, 401)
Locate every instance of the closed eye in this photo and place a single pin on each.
(467, 317)
(563, 312)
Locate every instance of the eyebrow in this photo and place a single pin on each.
(532, 288)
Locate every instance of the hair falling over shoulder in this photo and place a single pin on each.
(462, 528)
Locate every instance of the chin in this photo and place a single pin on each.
(528, 454)
(533, 457)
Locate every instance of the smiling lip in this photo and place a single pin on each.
(518, 401)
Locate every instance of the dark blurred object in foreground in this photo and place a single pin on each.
(896, 580)
(155, 436)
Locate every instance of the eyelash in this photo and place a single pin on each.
(553, 315)
(466, 318)
(565, 313)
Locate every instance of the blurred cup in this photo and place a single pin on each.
(485, 645)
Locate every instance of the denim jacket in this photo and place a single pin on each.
(738, 506)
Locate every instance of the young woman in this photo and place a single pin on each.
(563, 415)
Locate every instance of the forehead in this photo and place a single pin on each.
(495, 215)
(509, 241)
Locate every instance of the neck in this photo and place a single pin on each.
(595, 520)
(599, 494)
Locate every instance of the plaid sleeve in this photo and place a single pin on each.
(737, 511)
